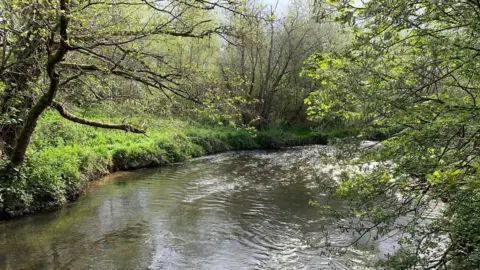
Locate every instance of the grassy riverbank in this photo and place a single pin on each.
(64, 156)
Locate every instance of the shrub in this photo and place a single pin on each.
(138, 156)
(14, 195)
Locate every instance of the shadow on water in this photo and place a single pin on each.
(239, 210)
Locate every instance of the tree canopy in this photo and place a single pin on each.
(51, 46)
(411, 66)
(234, 61)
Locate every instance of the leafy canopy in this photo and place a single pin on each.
(413, 66)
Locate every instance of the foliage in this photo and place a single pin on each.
(82, 52)
(264, 58)
(412, 67)
(14, 193)
(233, 63)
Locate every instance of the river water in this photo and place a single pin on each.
(238, 210)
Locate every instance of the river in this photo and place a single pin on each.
(237, 210)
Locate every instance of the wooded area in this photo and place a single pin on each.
(161, 81)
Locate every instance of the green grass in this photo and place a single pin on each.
(64, 156)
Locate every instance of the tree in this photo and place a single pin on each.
(51, 46)
(264, 59)
(412, 65)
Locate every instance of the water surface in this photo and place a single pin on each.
(238, 210)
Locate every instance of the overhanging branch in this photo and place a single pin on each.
(83, 121)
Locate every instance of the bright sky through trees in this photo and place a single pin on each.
(282, 4)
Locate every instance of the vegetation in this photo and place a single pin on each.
(123, 66)
(90, 87)
(411, 66)
(64, 156)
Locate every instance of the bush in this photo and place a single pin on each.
(53, 173)
(138, 156)
(14, 195)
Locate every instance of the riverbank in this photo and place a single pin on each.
(64, 156)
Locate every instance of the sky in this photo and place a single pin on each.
(282, 4)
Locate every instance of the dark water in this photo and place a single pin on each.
(245, 210)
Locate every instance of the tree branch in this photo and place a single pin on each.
(83, 121)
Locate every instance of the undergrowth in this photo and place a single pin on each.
(64, 156)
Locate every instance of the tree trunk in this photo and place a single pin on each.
(23, 140)
(17, 98)
(266, 95)
(21, 145)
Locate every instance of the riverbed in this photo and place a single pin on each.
(237, 210)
